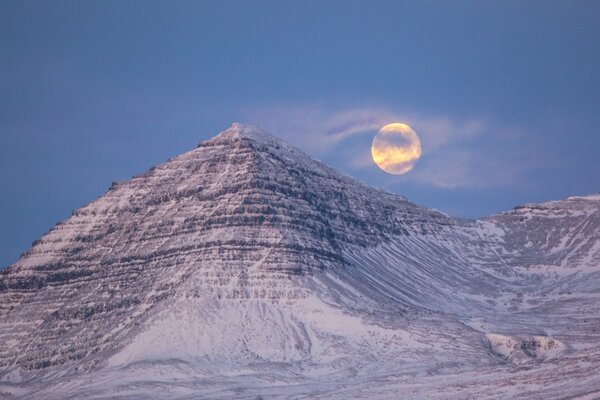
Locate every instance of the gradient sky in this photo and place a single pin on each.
(504, 95)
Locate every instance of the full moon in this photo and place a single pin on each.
(396, 148)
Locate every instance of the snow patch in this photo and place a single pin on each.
(524, 350)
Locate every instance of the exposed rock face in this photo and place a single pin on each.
(245, 252)
(524, 350)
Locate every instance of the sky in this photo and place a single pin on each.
(505, 96)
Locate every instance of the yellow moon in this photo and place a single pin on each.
(396, 148)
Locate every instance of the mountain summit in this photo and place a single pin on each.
(245, 268)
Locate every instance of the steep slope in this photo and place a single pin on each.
(233, 218)
(244, 267)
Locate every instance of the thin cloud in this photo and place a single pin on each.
(316, 129)
(452, 148)
(466, 168)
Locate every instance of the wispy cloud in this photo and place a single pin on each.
(456, 152)
(314, 128)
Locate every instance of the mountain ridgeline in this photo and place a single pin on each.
(245, 268)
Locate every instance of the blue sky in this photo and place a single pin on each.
(504, 95)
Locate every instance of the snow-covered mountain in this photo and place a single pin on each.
(246, 269)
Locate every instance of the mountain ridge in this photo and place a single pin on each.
(246, 256)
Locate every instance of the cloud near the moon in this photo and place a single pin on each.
(396, 148)
(453, 155)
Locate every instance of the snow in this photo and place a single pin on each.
(592, 197)
(245, 268)
(526, 350)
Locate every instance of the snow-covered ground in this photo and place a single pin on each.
(246, 269)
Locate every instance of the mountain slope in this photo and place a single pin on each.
(246, 266)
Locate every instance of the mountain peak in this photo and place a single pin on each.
(245, 131)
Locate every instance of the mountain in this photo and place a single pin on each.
(246, 269)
